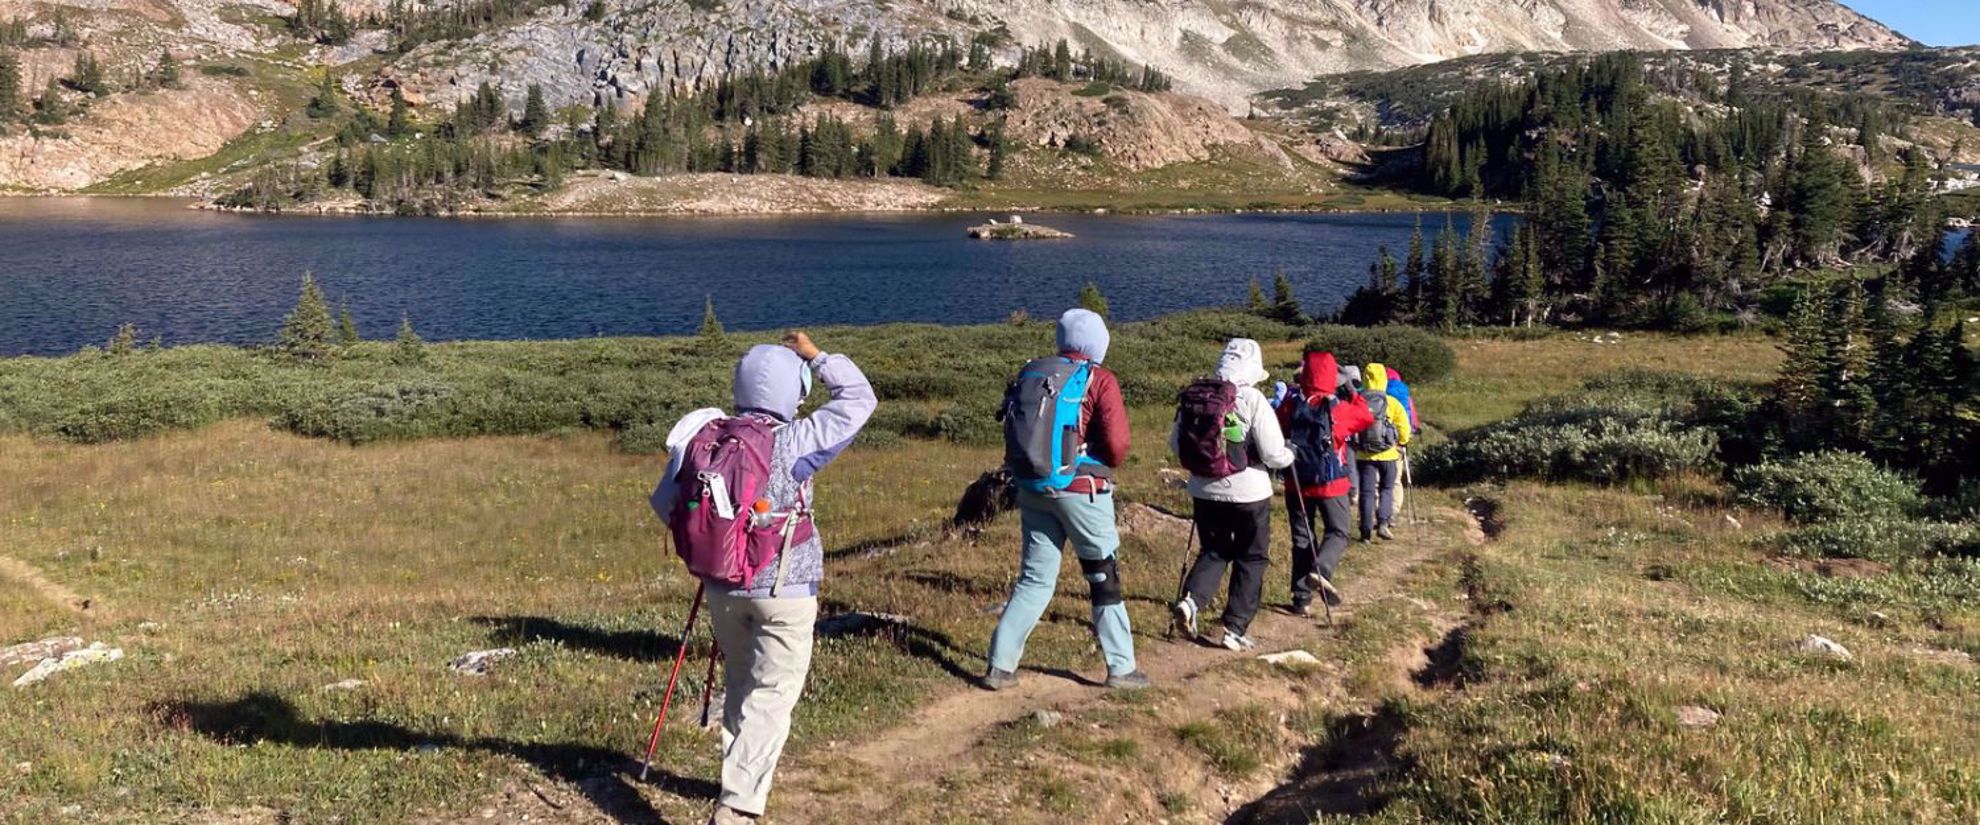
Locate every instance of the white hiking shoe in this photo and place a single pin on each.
(1385, 533)
(1184, 614)
(1237, 642)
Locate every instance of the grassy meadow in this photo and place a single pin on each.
(251, 532)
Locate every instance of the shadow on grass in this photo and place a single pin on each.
(603, 776)
(633, 645)
(922, 643)
(1343, 776)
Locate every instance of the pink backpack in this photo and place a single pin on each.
(723, 523)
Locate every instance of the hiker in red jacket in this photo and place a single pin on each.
(1318, 419)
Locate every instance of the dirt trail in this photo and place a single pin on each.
(20, 571)
(934, 742)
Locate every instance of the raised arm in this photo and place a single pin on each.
(820, 436)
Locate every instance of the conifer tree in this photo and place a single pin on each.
(1845, 379)
(324, 104)
(1255, 301)
(308, 332)
(87, 76)
(536, 113)
(1285, 304)
(1799, 390)
(51, 109)
(1090, 298)
(711, 332)
(168, 71)
(347, 331)
(124, 342)
(398, 123)
(1414, 276)
(407, 347)
(11, 102)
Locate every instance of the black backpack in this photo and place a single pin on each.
(1310, 432)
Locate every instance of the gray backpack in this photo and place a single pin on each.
(1041, 424)
(1381, 436)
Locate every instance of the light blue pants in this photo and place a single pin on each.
(1048, 521)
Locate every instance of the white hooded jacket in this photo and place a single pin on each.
(1244, 365)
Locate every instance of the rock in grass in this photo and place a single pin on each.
(480, 662)
(347, 684)
(1825, 646)
(50, 648)
(1048, 718)
(95, 653)
(1693, 716)
(1290, 658)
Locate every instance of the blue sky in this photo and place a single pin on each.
(1933, 22)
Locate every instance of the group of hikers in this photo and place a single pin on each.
(737, 500)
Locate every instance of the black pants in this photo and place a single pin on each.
(1333, 516)
(1238, 536)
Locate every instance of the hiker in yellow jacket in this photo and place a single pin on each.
(1378, 452)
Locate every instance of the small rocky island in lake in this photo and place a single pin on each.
(1016, 230)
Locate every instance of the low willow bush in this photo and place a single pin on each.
(1830, 485)
(1420, 356)
(1602, 443)
(934, 382)
(1881, 539)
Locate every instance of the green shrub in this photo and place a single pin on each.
(1881, 539)
(1421, 356)
(1829, 485)
(364, 413)
(1563, 440)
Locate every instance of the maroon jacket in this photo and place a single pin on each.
(1103, 425)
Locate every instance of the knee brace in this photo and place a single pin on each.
(1103, 580)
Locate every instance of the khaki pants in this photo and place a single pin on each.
(768, 645)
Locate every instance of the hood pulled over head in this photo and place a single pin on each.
(771, 379)
(1242, 363)
(1085, 332)
(1319, 373)
(1377, 377)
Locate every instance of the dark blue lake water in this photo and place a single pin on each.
(73, 269)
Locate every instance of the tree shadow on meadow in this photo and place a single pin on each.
(842, 620)
(631, 645)
(603, 776)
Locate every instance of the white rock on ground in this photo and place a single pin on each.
(1825, 646)
(95, 653)
(480, 662)
(36, 651)
(347, 684)
(1290, 658)
(1693, 716)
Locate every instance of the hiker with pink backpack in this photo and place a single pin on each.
(737, 500)
(1228, 437)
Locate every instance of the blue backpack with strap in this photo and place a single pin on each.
(1041, 410)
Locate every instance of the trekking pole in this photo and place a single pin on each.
(708, 686)
(1182, 578)
(653, 742)
(1409, 496)
(1306, 517)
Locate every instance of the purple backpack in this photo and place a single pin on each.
(725, 525)
(1203, 410)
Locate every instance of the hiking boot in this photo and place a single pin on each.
(1136, 680)
(998, 679)
(1184, 614)
(1385, 533)
(1328, 592)
(1303, 608)
(725, 815)
(1237, 642)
